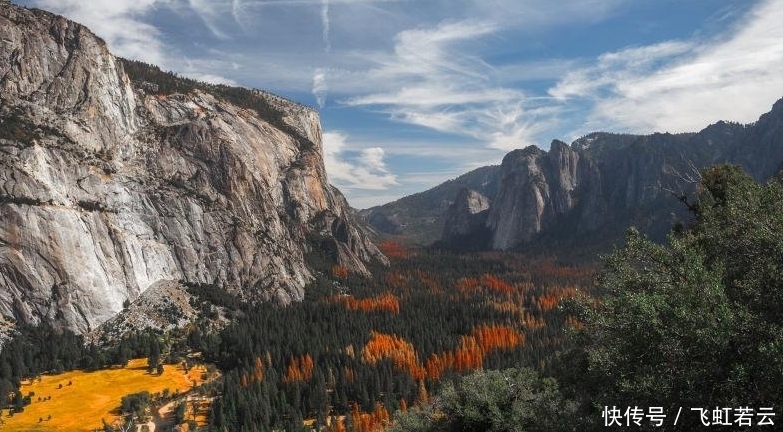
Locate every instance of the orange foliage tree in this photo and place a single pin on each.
(496, 284)
(497, 337)
(339, 272)
(256, 376)
(470, 285)
(400, 351)
(428, 282)
(393, 249)
(553, 296)
(469, 355)
(299, 369)
(386, 302)
(397, 280)
(376, 421)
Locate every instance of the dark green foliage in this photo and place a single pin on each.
(135, 404)
(17, 128)
(417, 420)
(35, 350)
(92, 206)
(511, 400)
(157, 81)
(179, 413)
(432, 319)
(19, 200)
(696, 322)
(213, 295)
(43, 349)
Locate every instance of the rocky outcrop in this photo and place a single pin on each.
(466, 215)
(536, 188)
(108, 187)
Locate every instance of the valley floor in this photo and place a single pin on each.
(77, 401)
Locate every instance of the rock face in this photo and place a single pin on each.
(466, 215)
(537, 187)
(595, 188)
(108, 187)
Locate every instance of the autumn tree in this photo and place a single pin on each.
(339, 272)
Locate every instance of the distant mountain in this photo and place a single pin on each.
(419, 218)
(586, 194)
(116, 177)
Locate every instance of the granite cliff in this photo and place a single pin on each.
(110, 183)
(536, 187)
(466, 216)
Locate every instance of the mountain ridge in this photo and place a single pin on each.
(586, 193)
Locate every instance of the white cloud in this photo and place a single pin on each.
(683, 86)
(325, 24)
(615, 67)
(212, 79)
(320, 87)
(435, 95)
(434, 82)
(366, 171)
(200, 69)
(239, 13)
(206, 11)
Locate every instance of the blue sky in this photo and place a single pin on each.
(415, 92)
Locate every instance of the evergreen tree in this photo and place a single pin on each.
(696, 322)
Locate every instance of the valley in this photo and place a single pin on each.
(352, 349)
(174, 257)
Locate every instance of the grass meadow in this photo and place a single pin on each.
(92, 396)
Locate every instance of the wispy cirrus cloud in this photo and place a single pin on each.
(680, 86)
(440, 85)
(320, 87)
(614, 67)
(213, 15)
(325, 25)
(364, 169)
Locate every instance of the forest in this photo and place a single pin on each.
(440, 341)
(500, 341)
(357, 350)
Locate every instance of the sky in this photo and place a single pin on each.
(415, 92)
